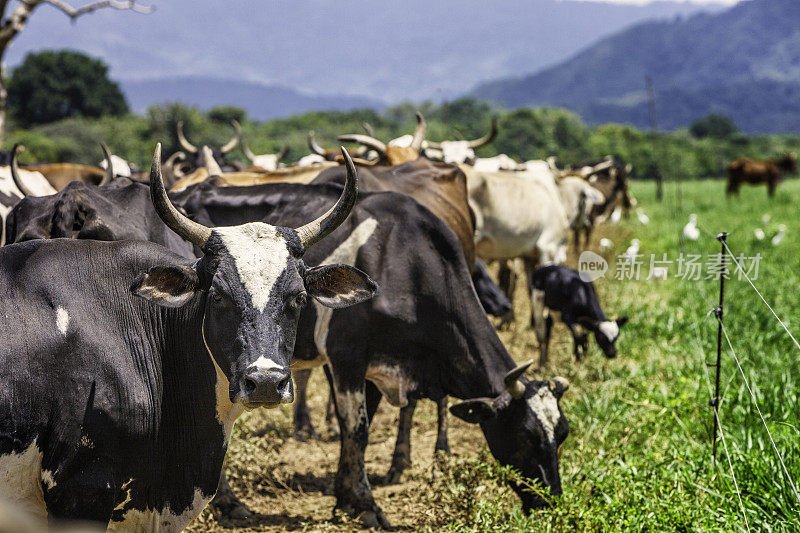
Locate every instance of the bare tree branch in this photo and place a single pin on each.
(116, 4)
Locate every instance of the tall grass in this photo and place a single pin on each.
(639, 452)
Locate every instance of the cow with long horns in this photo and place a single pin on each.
(158, 356)
(218, 153)
(391, 154)
(460, 151)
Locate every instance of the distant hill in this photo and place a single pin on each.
(390, 51)
(743, 62)
(262, 102)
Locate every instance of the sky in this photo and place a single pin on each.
(390, 51)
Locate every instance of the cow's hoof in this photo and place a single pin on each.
(394, 476)
(305, 433)
(333, 432)
(239, 512)
(369, 514)
(232, 508)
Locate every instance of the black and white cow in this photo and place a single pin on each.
(153, 357)
(424, 335)
(561, 289)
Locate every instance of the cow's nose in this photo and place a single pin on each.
(268, 387)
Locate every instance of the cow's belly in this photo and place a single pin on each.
(162, 521)
(21, 480)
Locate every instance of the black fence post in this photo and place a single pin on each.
(722, 238)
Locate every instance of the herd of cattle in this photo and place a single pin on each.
(145, 312)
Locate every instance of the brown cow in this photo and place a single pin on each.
(756, 172)
(389, 154)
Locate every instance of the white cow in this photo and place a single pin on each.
(268, 162)
(456, 152)
(495, 164)
(121, 168)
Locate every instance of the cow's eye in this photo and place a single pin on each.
(299, 300)
(217, 296)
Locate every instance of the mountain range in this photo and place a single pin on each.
(388, 51)
(743, 62)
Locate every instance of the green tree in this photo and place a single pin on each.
(227, 113)
(53, 85)
(715, 126)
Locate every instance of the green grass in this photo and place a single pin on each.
(638, 457)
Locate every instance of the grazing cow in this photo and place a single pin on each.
(457, 152)
(424, 335)
(561, 289)
(756, 172)
(391, 154)
(217, 153)
(267, 162)
(159, 355)
(527, 215)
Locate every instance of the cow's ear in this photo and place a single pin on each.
(170, 286)
(338, 286)
(474, 411)
(589, 323)
(621, 321)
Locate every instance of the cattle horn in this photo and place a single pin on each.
(185, 144)
(486, 139)
(190, 230)
(366, 140)
(108, 176)
(513, 386)
(210, 163)
(608, 163)
(419, 133)
(313, 146)
(15, 171)
(237, 134)
(368, 128)
(247, 153)
(283, 152)
(318, 229)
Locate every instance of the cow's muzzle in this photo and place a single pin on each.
(266, 387)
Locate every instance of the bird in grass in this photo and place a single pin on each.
(776, 240)
(644, 219)
(616, 215)
(690, 230)
(632, 251)
(606, 244)
(759, 233)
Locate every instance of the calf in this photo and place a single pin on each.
(154, 356)
(561, 289)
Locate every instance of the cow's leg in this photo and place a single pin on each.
(579, 339)
(442, 444)
(331, 422)
(353, 493)
(771, 186)
(507, 280)
(303, 428)
(226, 501)
(548, 329)
(401, 458)
(537, 313)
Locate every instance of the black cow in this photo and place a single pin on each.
(424, 335)
(119, 211)
(562, 290)
(154, 356)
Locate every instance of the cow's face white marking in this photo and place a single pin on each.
(260, 254)
(404, 141)
(545, 406)
(62, 320)
(610, 329)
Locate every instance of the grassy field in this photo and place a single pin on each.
(639, 453)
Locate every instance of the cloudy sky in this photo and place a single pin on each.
(413, 49)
